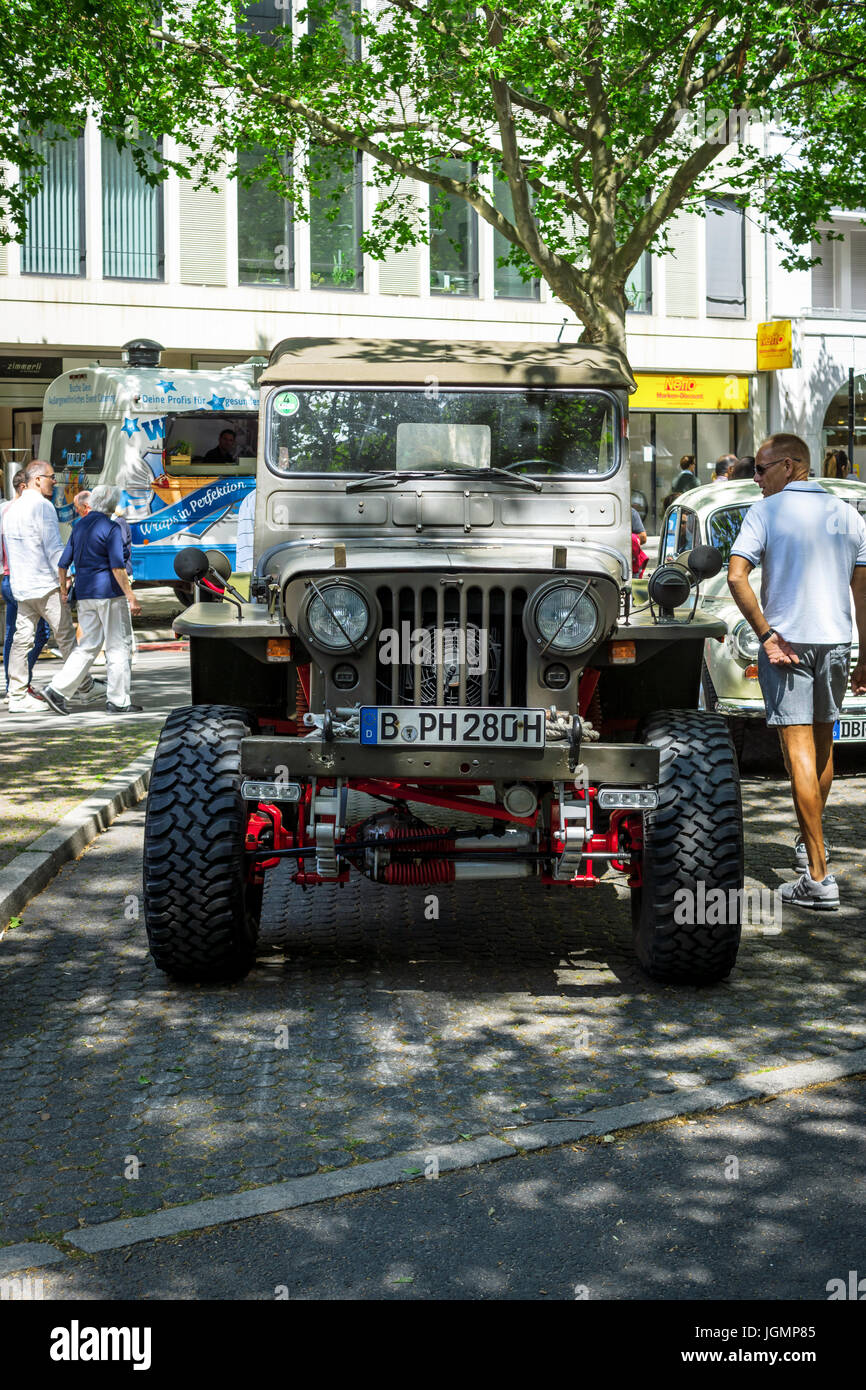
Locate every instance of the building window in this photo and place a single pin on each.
(132, 240)
(266, 253)
(453, 236)
(508, 283)
(639, 286)
(336, 219)
(54, 240)
(262, 17)
(824, 276)
(318, 14)
(726, 259)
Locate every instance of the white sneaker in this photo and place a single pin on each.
(808, 892)
(801, 858)
(27, 705)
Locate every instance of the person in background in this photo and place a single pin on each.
(224, 452)
(724, 464)
(843, 467)
(81, 503)
(103, 590)
(743, 468)
(42, 631)
(31, 534)
(812, 550)
(637, 526)
(687, 476)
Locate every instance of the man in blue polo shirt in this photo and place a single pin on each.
(812, 549)
(102, 590)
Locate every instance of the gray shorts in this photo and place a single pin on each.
(809, 693)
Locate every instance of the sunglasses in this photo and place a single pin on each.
(761, 469)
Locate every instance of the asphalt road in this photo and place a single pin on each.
(761, 1201)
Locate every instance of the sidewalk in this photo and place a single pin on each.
(49, 764)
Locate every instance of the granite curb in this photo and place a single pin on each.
(30, 871)
(411, 1166)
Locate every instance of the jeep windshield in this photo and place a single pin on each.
(442, 431)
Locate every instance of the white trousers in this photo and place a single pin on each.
(104, 623)
(56, 613)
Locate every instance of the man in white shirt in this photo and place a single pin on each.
(31, 536)
(812, 547)
(246, 526)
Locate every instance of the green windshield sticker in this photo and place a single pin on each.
(286, 403)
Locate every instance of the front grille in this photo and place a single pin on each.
(454, 616)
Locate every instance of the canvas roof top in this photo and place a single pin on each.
(412, 362)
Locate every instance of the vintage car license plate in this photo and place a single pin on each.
(847, 730)
(438, 727)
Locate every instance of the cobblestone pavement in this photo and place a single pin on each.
(367, 1029)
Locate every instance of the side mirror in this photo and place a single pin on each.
(669, 587)
(191, 564)
(705, 561)
(220, 563)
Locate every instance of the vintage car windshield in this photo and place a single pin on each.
(543, 433)
(724, 527)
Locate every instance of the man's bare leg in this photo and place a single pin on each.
(810, 767)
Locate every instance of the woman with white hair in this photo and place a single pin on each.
(102, 591)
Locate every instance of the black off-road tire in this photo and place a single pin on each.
(695, 833)
(202, 917)
(736, 726)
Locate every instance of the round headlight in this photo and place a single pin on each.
(566, 619)
(746, 643)
(338, 617)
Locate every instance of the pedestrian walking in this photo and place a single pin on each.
(687, 477)
(81, 503)
(103, 591)
(811, 546)
(724, 464)
(31, 535)
(42, 631)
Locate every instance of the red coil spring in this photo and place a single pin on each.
(434, 871)
(420, 832)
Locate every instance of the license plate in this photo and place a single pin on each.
(849, 731)
(435, 727)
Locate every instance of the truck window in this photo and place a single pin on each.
(210, 444)
(78, 446)
(546, 433)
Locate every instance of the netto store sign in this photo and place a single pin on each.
(30, 368)
(679, 391)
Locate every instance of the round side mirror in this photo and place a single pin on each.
(669, 586)
(191, 563)
(705, 561)
(220, 563)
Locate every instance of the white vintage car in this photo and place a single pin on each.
(713, 515)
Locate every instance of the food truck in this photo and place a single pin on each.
(180, 444)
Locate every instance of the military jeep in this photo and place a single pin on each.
(440, 673)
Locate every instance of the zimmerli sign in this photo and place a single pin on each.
(774, 345)
(657, 391)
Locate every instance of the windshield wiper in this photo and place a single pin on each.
(391, 479)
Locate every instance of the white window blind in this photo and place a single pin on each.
(131, 219)
(823, 276)
(681, 297)
(54, 241)
(726, 271)
(857, 237)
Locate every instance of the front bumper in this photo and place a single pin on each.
(623, 764)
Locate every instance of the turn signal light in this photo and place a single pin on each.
(621, 652)
(751, 673)
(279, 649)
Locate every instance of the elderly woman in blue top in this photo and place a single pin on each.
(102, 590)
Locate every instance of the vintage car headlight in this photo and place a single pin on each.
(337, 616)
(746, 644)
(566, 618)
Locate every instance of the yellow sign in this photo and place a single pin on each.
(670, 391)
(774, 345)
